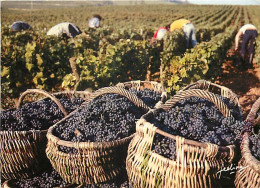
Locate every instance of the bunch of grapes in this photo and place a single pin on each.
(197, 119)
(148, 96)
(38, 115)
(106, 118)
(255, 143)
(46, 179)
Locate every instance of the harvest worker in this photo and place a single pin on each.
(20, 25)
(188, 29)
(248, 33)
(95, 21)
(159, 34)
(64, 29)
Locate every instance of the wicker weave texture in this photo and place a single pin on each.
(95, 162)
(196, 163)
(194, 166)
(214, 88)
(23, 152)
(249, 173)
(20, 153)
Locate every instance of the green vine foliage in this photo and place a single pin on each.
(109, 55)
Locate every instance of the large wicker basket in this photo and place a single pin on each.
(248, 173)
(196, 164)
(23, 152)
(95, 162)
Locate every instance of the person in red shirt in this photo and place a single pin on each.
(159, 34)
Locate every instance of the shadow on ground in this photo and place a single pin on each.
(245, 82)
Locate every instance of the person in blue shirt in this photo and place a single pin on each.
(95, 21)
(20, 25)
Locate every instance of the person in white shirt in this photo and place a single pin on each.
(20, 25)
(95, 21)
(248, 33)
(65, 29)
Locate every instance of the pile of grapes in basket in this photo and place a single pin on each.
(197, 119)
(106, 118)
(38, 115)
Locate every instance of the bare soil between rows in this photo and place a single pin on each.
(242, 81)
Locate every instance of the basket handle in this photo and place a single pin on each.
(205, 85)
(247, 155)
(137, 84)
(45, 93)
(198, 93)
(200, 84)
(121, 91)
(253, 112)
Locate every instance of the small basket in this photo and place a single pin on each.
(95, 162)
(248, 173)
(152, 85)
(196, 163)
(23, 152)
(214, 88)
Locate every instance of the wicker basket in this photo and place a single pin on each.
(214, 88)
(23, 152)
(95, 162)
(196, 163)
(248, 174)
(152, 85)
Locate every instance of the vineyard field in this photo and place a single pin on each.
(120, 50)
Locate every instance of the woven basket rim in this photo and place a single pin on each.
(24, 132)
(186, 141)
(82, 145)
(172, 161)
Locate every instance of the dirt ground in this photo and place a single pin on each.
(244, 82)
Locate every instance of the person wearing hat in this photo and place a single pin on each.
(95, 21)
(65, 29)
(248, 32)
(188, 29)
(20, 25)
